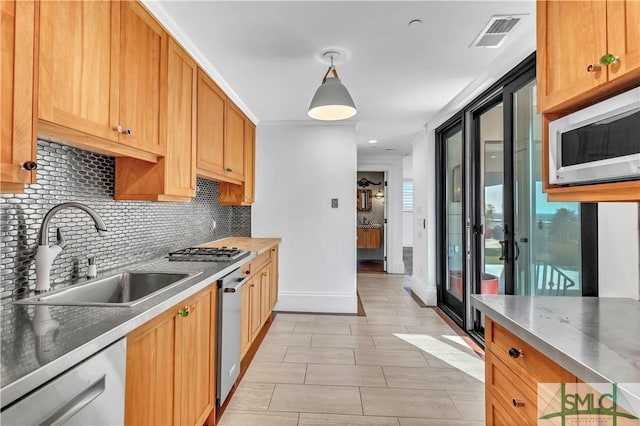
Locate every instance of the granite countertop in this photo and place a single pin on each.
(595, 339)
(29, 360)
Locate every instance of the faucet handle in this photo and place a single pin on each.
(61, 241)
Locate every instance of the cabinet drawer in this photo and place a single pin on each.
(529, 364)
(496, 414)
(515, 398)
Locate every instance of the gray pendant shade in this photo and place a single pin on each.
(332, 101)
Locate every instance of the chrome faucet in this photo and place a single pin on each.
(46, 253)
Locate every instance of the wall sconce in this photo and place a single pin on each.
(379, 195)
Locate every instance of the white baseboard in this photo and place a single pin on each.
(317, 302)
(428, 295)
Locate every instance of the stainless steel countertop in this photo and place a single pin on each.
(595, 339)
(29, 361)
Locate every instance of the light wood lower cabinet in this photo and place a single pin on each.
(274, 276)
(171, 365)
(369, 237)
(513, 370)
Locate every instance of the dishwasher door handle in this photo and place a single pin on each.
(77, 403)
(241, 282)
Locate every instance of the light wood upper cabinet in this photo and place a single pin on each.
(102, 77)
(623, 35)
(242, 195)
(572, 36)
(171, 365)
(16, 95)
(234, 143)
(143, 78)
(212, 105)
(173, 177)
(79, 61)
(220, 137)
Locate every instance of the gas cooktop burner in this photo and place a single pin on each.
(206, 254)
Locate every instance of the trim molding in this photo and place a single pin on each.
(295, 301)
(427, 294)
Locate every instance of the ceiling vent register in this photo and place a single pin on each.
(496, 31)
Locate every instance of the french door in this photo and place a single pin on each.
(500, 234)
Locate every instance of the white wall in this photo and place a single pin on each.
(299, 169)
(618, 250)
(393, 198)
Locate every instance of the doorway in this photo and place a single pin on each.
(371, 222)
(497, 231)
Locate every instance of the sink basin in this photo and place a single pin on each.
(125, 289)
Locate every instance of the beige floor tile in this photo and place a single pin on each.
(346, 375)
(339, 341)
(470, 404)
(346, 319)
(374, 312)
(319, 355)
(308, 419)
(405, 421)
(258, 418)
(251, 397)
(429, 378)
(294, 317)
(376, 330)
(390, 358)
(316, 399)
(393, 343)
(275, 372)
(466, 362)
(287, 339)
(408, 403)
(394, 320)
(322, 328)
(282, 327)
(270, 353)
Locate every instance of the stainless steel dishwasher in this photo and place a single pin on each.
(228, 342)
(91, 393)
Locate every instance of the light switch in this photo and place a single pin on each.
(334, 203)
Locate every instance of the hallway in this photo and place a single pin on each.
(400, 365)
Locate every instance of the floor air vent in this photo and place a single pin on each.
(496, 31)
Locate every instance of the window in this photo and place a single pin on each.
(407, 196)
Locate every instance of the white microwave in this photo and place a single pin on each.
(600, 143)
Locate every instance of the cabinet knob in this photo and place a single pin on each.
(593, 68)
(609, 59)
(247, 272)
(29, 165)
(128, 132)
(118, 128)
(228, 169)
(517, 402)
(122, 131)
(184, 312)
(515, 353)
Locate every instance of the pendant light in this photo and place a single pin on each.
(332, 100)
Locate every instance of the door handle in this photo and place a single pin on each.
(515, 243)
(503, 250)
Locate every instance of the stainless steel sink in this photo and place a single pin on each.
(125, 289)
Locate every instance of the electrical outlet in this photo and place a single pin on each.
(334, 203)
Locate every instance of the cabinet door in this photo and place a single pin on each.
(245, 322)
(16, 90)
(210, 136)
(623, 29)
(234, 143)
(249, 162)
(375, 238)
(274, 277)
(254, 316)
(197, 337)
(151, 373)
(265, 292)
(180, 173)
(564, 52)
(79, 62)
(362, 236)
(143, 79)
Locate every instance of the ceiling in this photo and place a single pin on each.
(398, 75)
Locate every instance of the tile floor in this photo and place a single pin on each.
(400, 365)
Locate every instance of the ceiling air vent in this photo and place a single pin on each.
(495, 32)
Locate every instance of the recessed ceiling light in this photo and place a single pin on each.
(373, 141)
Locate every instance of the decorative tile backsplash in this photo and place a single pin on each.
(138, 230)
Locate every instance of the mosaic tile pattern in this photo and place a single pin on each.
(138, 230)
